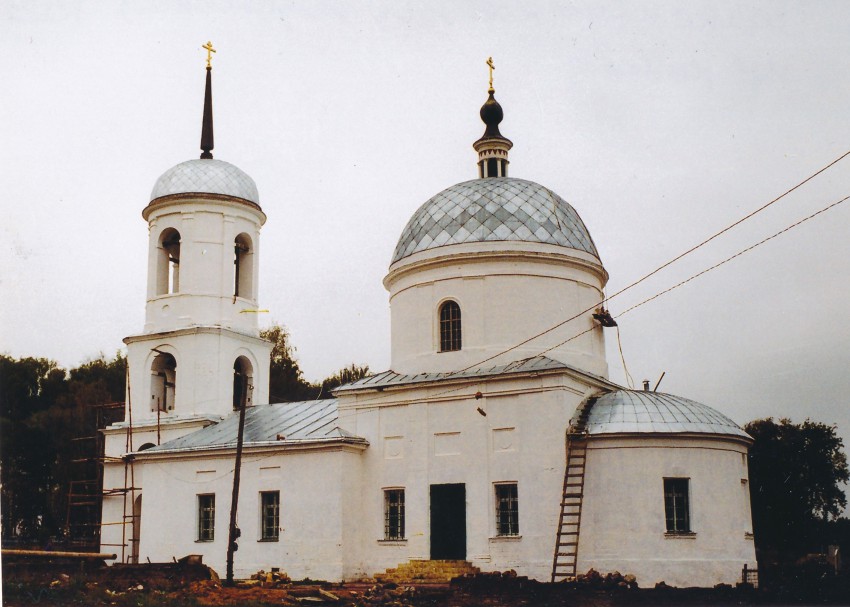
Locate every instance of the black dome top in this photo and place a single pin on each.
(492, 114)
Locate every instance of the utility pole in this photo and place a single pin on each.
(234, 532)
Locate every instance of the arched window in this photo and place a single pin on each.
(163, 382)
(146, 446)
(450, 327)
(243, 271)
(243, 383)
(168, 262)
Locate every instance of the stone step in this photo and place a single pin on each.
(426, 571)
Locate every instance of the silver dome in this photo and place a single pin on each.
(628, 411)
(206, 177)
(494, 209)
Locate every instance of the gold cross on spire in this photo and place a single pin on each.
(210, 51)
(492, 67)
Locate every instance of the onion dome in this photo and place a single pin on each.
(491, 114)
(494, 209)
(645, 412)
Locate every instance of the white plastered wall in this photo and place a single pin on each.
(623, 524)
(418, 439)
(313, 497)
(507, 292)
(208, 229)
(115, 529)
(204, 373)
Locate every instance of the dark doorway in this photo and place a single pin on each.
(448, 522)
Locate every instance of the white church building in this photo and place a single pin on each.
(480, 444)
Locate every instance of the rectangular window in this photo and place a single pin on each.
(507, 509)
(270, 515)
(676, 505)
(393, 514)
(206, 517)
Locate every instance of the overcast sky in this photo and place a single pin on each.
(660, 122)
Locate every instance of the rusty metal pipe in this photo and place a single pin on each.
(58, 554)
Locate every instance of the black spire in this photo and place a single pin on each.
(207, 128)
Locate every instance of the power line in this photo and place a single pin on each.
(707, 270)
(629, 380)
(738, 254)
(732, 225)
(662, 266)
(368, 402)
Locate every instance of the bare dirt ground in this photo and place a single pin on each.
(182, 584)
(203, 594)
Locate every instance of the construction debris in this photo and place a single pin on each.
(329, 595)
(169, 584)
(271, 579)
(613, 579)
(390, 594)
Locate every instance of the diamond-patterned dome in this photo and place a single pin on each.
(494, 209)
(206, 176)
(655, 412)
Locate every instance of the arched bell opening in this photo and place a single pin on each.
(163, 382)
(168, 262)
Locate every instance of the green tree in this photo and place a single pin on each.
(72, 426)
(27, 389)
(43, 410)
(344, 376)
(286, 381)
(796, 472)
(108, 378)
(28, 385)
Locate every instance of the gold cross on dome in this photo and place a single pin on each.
(492, 67)
(210, 51)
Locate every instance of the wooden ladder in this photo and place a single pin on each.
(569, 522)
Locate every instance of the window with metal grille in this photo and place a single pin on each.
(676, 506)
(507, 509)
(393, 514)
(206, 517)
(270, 515)
(450, 327)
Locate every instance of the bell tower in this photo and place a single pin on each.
(200, 354)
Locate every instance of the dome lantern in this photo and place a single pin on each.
(492, 147)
